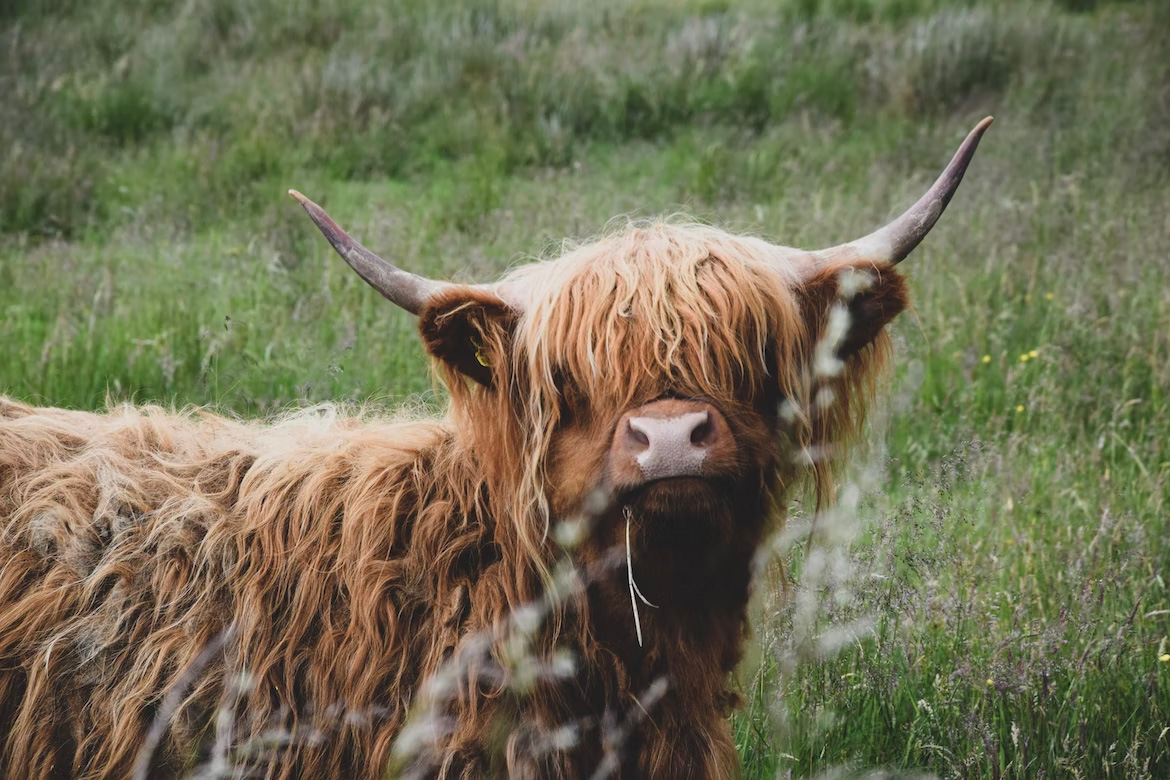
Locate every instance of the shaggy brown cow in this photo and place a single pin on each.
(182, 592)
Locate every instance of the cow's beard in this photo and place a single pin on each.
(685, 512)
(691, 534)
(673, 604)
(691, 547)
(686, 543)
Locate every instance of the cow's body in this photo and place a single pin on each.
(133, 540)
(550, 581)
(337, 562)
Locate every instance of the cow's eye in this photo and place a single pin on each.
(569, 396)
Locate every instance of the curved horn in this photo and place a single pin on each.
(890, 244)
(410, 291)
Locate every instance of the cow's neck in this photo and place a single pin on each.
(677, 679)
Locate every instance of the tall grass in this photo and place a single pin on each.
(188, 111)
(995, 604)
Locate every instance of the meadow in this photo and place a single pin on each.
(993, 601)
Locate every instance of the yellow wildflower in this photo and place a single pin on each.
(1019, 409)
(1164, 657)
(1024, 358)
(987, 358)
(1035, 353)
(1048, 296)
(990, 681)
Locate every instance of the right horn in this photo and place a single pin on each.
(410, 291)
(890, 244)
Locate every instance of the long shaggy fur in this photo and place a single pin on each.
(343, 563)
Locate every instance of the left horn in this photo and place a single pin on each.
(890, 244)
(410, 291)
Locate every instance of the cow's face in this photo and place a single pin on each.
(666, 374)
(665, 353)
(672, 375)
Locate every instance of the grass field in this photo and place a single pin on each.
(997, 605)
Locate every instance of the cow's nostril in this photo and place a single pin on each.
(638, 436)
(704, 433)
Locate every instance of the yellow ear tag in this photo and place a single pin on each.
(482, 358)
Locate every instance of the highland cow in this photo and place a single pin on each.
(549, 581)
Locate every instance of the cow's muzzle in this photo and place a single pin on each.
(670, 438)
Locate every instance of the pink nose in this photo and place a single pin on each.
(670, 438)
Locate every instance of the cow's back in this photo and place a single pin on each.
(132, 542)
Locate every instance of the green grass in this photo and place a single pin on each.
(1012, 545)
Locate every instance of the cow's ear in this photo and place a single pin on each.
(848, 305)
(470, 330)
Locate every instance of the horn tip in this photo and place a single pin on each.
(984, 124)
(299, 197)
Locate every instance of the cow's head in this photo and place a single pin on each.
(673, 375)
